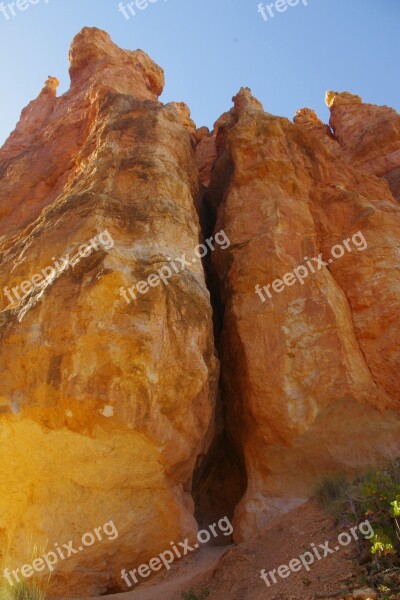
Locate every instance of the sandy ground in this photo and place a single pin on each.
(237, 576)
(169, 584)
(233, 573)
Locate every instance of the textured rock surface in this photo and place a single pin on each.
(108, 410)
(369, 135)
(104, 406)
(311, 374)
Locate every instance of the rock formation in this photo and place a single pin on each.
(310, 374)
(369, 136)
(105, 405)
(112, 408)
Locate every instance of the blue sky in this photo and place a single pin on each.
(210, 48)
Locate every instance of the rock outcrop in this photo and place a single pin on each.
(111, 406)
(309, 372)
(369, 136)
(105, 406)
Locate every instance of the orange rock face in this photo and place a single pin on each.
(310, 366)
(105, 406)
(111, 406)
(368, 135)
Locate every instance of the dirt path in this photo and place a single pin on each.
(237, 576)
(170, 584)
(233, 573)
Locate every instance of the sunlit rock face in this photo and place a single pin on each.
(310, 373)
(111, 406)
(105, 406)
(369, 135)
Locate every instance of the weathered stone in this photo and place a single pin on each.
(369, 135)
(108, 406)
(310, 374)
(105, 406)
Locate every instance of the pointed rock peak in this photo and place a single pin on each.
(244, 101)
(333, 99)
(307, 116)
(94, 58)
(89, 45)
(51, 85)
(33, 119)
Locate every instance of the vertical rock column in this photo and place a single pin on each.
(105, 405)
(308, 367)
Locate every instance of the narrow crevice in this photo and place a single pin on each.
(207, 223)
(219, 479)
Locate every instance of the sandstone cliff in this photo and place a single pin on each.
(105, 406)
(310, 375)
(112, 410)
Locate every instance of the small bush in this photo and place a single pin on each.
(379, 503)
(23, 591)
(376, 498)
(5, 593)
(331, 493)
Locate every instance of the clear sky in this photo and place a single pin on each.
(210, 48)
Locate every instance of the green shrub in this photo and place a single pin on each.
(383, 542)
(379, 503)
(395, 510)
(5, 593)
(375, 497)
(22, 591)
